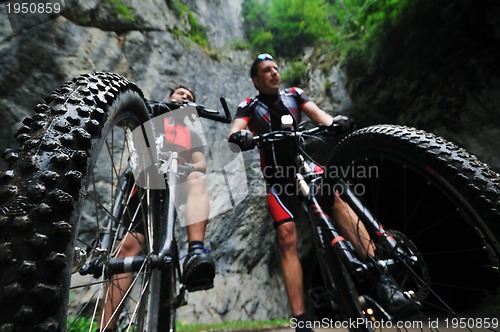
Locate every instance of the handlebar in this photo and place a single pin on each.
(280, 135)
(215, 115)
(223, 116)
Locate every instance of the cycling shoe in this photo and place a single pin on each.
(394, 300)
(198, 270)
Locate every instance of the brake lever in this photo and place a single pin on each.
(226, 109)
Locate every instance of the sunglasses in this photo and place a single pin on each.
(264, 56)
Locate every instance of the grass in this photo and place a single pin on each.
(83, 325)
(233, 326)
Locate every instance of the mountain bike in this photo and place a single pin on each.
(66, 208)
(66, 193)
(437, 266)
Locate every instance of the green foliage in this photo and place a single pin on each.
(240, 45)
(196, 32)
(296, 24)
(80, 325)
(83, 324)
(356, 22)
(294, 74)
(256, 18)
(230, 326)
(408, 61)
(122, 10)
(255, 14)
(264, 41)
(285, 27)
(419, 62)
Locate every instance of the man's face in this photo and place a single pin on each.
(268, 77)
(181, 94)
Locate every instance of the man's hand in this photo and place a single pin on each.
(242, 138)
(345, 123)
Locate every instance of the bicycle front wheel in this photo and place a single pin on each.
(444, 202)
(63, 206)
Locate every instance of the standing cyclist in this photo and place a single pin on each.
(263, 114)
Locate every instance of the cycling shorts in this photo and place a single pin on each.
(282, 201)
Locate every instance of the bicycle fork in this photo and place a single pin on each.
(333, 238)
(377, 231)
(329, 233)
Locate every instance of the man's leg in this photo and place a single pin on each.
(131, 245)
(291, 267)
(292, 272)
(199, 267)
(352, 228)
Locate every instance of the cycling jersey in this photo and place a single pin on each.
(179, 138)
(263, 114)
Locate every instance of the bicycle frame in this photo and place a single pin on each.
(168, 246)
(165, 254)
(336, 254)
(310, 183)
(337, 257)
(162, 260)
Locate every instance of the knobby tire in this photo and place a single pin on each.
(53, 179)
(445, 202)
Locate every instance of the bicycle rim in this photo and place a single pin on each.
(93, 299)
(170, 302)
(114, 213)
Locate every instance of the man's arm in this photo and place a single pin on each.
(316, 114)
(240, 136)
(237, 125)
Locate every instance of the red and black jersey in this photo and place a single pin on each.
(179, 138)
(263, 114)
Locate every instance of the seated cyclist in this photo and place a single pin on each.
(198, 267)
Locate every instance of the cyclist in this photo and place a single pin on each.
(263, 114)
(198, 267)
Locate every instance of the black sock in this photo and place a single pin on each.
(195, 245)
(302, 318)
